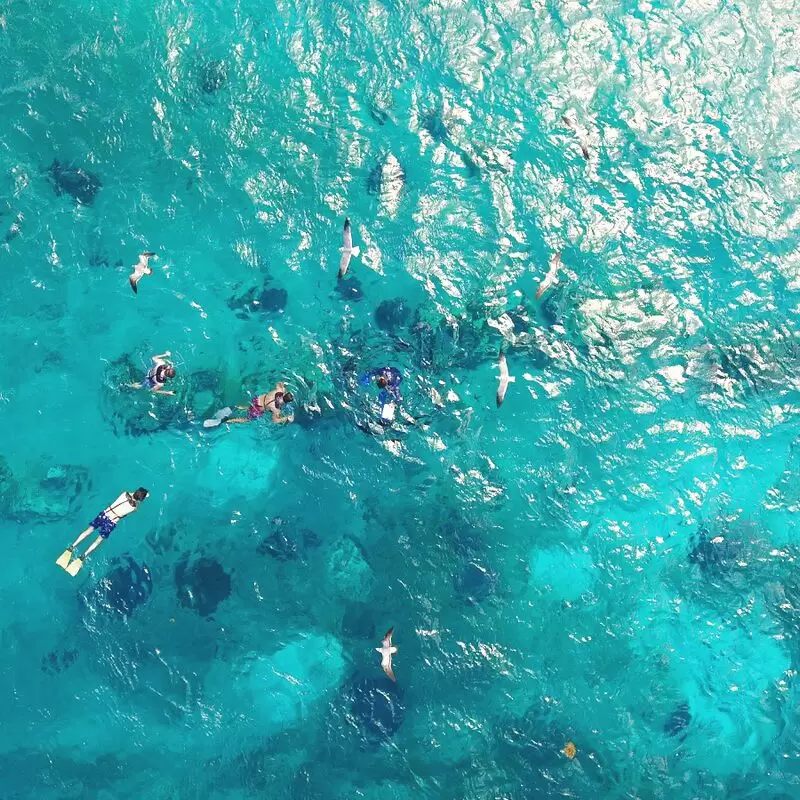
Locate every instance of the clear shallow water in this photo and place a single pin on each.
(543, 564)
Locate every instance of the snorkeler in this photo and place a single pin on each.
(272, 401)
(161, 371)
(388, 380)
(104, 523)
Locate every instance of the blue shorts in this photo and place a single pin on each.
(103, 525)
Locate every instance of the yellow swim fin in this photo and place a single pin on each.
(64, 558)
(75, 567)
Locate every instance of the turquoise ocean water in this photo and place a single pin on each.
(609, 559)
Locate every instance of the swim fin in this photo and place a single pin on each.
(64, 558)
(75, 567)
(219, 417)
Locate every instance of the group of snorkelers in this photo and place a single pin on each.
(387, 379)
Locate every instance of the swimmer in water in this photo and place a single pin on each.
(271, 402)
(388, 380)
(161, 371)
(104, 523)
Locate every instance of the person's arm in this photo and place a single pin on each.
(279, 420)
(160, 358)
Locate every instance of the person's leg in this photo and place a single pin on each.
(237, 420)
(93, 546)
(86, 533)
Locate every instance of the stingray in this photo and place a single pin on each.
(213, 76)
(273, 300)
(57, 661)
(202, 585)
(8, 487)
(388, 174)
(533, 736)
(391, 315)
(553, 307)
(377, 706)
(374, 179)
(519, 316)
(717, 554)
(268, 300)
(79, 183)
(475, 583)
(349, 288)
(378, 114)
(15, 229)
(433, 123)
(286, 542)
(678, 720)
(100, 260)
(205, 380)
(279, 545)
(127, 586)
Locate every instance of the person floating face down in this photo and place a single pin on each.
(161, 371)
(104, 523)
(388, 380)
(271, 402)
